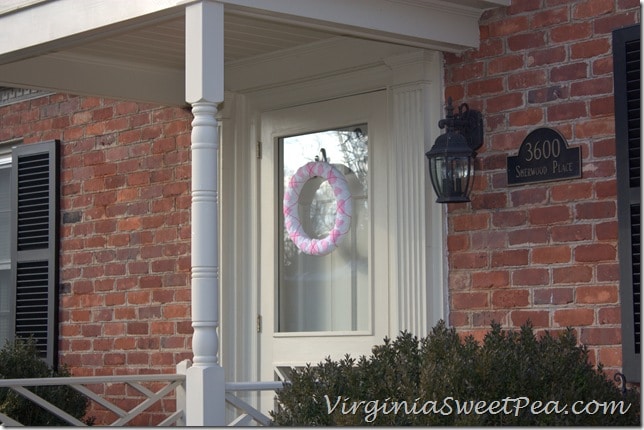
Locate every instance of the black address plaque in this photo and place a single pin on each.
(544, 156)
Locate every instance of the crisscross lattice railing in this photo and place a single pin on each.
(248, 413)
(144, 397)
(148, 397)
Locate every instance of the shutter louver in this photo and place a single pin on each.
(32, 302)
(627, 77)
(33, 202)
(637, 295)
(35, 244)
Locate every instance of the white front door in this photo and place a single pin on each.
(313, 306)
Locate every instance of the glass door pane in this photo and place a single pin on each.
(326, 292)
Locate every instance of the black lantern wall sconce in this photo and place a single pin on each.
(451, 159)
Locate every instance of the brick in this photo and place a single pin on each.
(489, 48)
(174, 189)
(102, 114)
(129, 224)
(176, 311)
(504, 102)
(553, 296)
(469, 300)
(529, 116)
(602, 66)
(546, 56)
(519, 42)
(486, 318)
(510, 298)
(504, 64)
(600, 169)
(526, 79)
(456, 92)
(572, 274)
(548, 94)
(527, 196)
(149, 312)
(483, 87)
(549, 17)
(493, 279)
(468, 222)
(549, 215)
(138, 358)
(530, 276)
(597, 294)
(571, 233)
(537, 318)
(595, 252)
(534, 235)
(138, 328)
(610, 315)
(138, 297)
(571, 192)
(467, 72)
(489, 200)
(589, 49)
(506, 258)
(610, 357)
(608, 272)
(574, 317)
(569, 72)
(468, 260)
(150, 282)
(590, 87)
(593, 128)
(600, 336)
(570, 32)
(459, 280)
(508, 26)
(595, 210)
(551, 255)
(602, 106)
(509, 218)
(608, 23)
(507, 141)
(592, 8)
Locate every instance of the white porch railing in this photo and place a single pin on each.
(248, 412)
(164, 387)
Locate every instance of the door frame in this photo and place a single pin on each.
(412, 80)
(367, 108)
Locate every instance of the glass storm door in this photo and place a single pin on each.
(315, 304)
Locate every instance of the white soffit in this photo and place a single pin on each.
(136, 48)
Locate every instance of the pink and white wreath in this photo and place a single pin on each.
(342, 223)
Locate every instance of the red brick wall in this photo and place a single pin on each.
(545, 252)
(125, 229)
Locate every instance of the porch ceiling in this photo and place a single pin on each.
(141, 56)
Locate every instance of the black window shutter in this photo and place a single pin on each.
(34, 244)
(627, 76)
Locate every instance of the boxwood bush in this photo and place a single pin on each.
(513, 378)
(21, 359)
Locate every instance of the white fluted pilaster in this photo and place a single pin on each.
(417, 256)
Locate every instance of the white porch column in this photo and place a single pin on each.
(205, 382)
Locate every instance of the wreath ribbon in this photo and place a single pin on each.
(342, 223)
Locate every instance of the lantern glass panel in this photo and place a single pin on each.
(451, 177)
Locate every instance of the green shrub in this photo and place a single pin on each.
(442, 378)
(20, 359)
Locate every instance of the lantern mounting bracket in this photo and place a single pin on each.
(468, 122)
